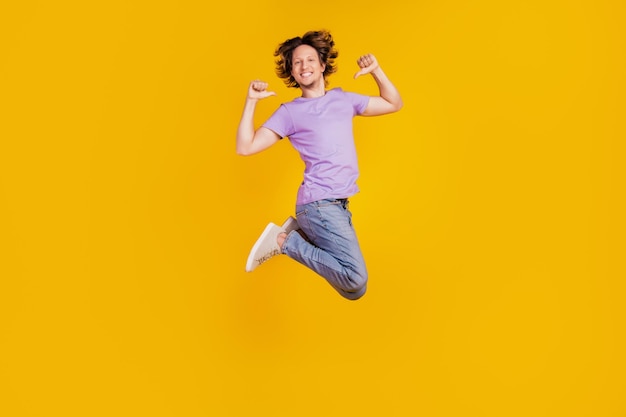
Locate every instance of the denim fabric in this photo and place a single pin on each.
(329, 246)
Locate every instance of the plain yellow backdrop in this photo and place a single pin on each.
(491, 213)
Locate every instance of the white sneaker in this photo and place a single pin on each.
(265, 247)
(290, 224)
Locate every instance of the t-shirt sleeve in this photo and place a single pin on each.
(280, 122)
(359, 102)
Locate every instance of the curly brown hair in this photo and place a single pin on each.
(321, 40)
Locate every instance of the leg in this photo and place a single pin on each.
(332, 249)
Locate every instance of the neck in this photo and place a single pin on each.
(313, 91)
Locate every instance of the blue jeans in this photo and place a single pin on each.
(328, 245)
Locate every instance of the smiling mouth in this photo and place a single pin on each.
(306, 74)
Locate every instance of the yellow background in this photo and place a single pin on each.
(491, 213)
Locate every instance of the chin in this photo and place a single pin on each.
(310, 83)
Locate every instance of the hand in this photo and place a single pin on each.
(258, 90)
(367, 63)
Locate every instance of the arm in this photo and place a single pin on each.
(389, 100)
(250, 141)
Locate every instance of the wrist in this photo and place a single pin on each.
(377, 72)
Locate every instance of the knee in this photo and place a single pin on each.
(357, 280)
(354, 295)
(357, 285)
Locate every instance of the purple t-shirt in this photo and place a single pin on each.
(321, 131)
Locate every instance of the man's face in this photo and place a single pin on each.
(306, 67)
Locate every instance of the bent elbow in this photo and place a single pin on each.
(242, 150)
(399, 105)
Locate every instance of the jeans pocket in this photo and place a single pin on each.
(305, 223)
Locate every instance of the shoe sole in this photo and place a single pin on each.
(250, 263)
(294, 223)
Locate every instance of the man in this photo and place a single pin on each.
(319, 126)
